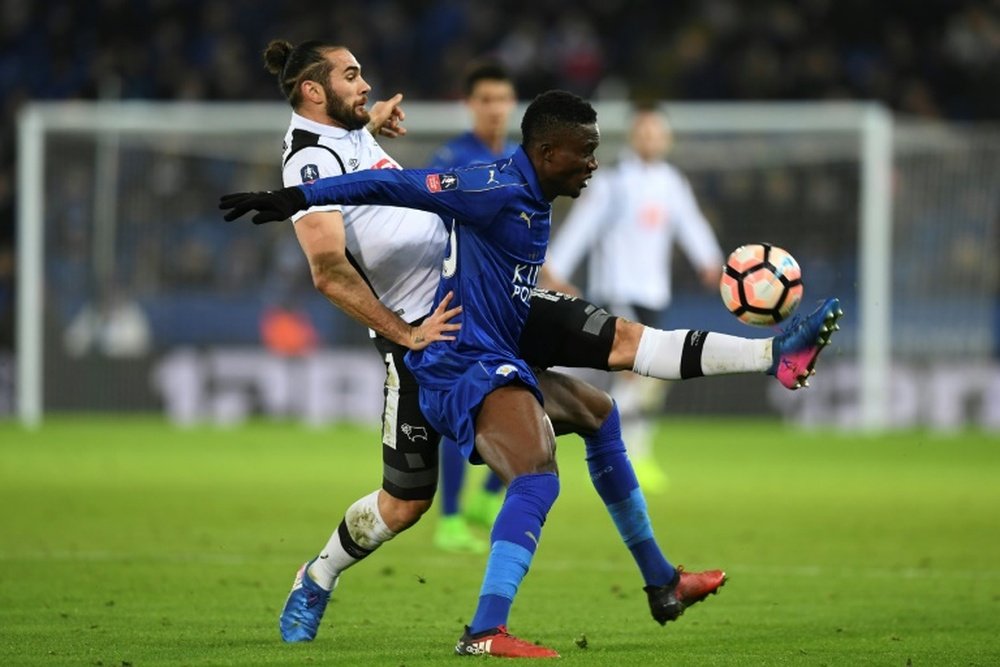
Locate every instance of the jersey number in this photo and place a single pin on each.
(451, 259)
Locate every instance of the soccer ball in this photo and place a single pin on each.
(761, 284)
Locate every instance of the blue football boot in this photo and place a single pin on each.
(795, 350)
(299, 621)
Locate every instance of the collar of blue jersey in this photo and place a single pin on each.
(524, 165)
(304, 123)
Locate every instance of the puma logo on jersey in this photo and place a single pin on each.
(526, 218)
(492, 178)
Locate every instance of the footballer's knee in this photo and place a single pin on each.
(626, 343)
(574, 406)
(587, 412)
(400, 514)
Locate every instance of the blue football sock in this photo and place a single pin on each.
(514, 539)
(453, 466)
(612, 475)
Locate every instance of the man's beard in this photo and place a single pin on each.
(344, 113)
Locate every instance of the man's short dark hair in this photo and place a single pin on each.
(552, 111)
(483, 70)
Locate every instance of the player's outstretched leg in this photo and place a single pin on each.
(303, 611)
(795, 350)
(668, 602)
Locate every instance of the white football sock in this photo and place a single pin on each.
(659, 353)
(682, 353)
(723, 354)
(361, 532)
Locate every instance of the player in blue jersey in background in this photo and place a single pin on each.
(475, 389)
(490, 97)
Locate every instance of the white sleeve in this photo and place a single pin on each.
(579, 231)
(694, 233)
(307, 165)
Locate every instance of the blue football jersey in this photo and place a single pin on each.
(499, 232)
(467, 149)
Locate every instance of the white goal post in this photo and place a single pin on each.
(870, 124)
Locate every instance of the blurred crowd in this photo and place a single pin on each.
(934, 58)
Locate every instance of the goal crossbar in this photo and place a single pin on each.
(871, 122)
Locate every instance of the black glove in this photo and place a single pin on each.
(272, 205)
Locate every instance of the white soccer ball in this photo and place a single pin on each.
(761, 284)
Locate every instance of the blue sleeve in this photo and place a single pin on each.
(461, 194)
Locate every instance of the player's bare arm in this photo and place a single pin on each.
(321, 236)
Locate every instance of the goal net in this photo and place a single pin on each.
(134, 295)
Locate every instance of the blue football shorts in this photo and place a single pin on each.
(453, 411)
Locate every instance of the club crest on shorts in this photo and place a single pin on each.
(309, 173)
(414, 433)
(505, 370)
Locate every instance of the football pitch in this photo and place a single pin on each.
(124, 541)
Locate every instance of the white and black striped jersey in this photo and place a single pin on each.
(398, 251)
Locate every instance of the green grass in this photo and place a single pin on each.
(127, 541)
